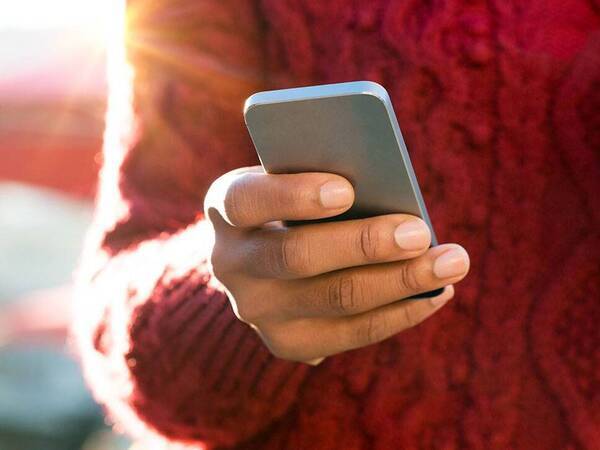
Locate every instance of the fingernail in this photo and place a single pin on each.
(452, 263)
(336, 194)
(440, 299)
(412, 235)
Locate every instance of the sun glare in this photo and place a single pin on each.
(51, 49)
(44, 14)
(91, 18)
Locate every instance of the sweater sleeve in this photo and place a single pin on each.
(160, 345)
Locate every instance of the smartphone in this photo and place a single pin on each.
(349, 129)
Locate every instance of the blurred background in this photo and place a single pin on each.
(52, 103)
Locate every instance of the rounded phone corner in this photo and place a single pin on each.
(376, 90)
(249, 104)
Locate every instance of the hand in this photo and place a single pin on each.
(318, 289)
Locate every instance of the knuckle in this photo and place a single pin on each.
(279, 344)
(374, 329)
(296, 199)
(289, 197)
(245, 312)
(217, 268)
(409, 318)
(294, 255)
(281, 351)
(342, 295)
(409, 280)
(233, 203)
(269, 259)
(369, 241)
(249, 306)
(220, 263)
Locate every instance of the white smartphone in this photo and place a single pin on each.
(349, 129)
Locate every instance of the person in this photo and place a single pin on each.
(204, 323)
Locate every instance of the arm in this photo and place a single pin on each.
(160, 345)
(163, 350)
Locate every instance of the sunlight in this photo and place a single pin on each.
(44, 14)
(65, 40)
(90, 19)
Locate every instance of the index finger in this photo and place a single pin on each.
(250, 197)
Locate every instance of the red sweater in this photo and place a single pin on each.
(499, 103)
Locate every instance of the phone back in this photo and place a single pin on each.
(347, 128)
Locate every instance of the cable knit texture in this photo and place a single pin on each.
(499, 103)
